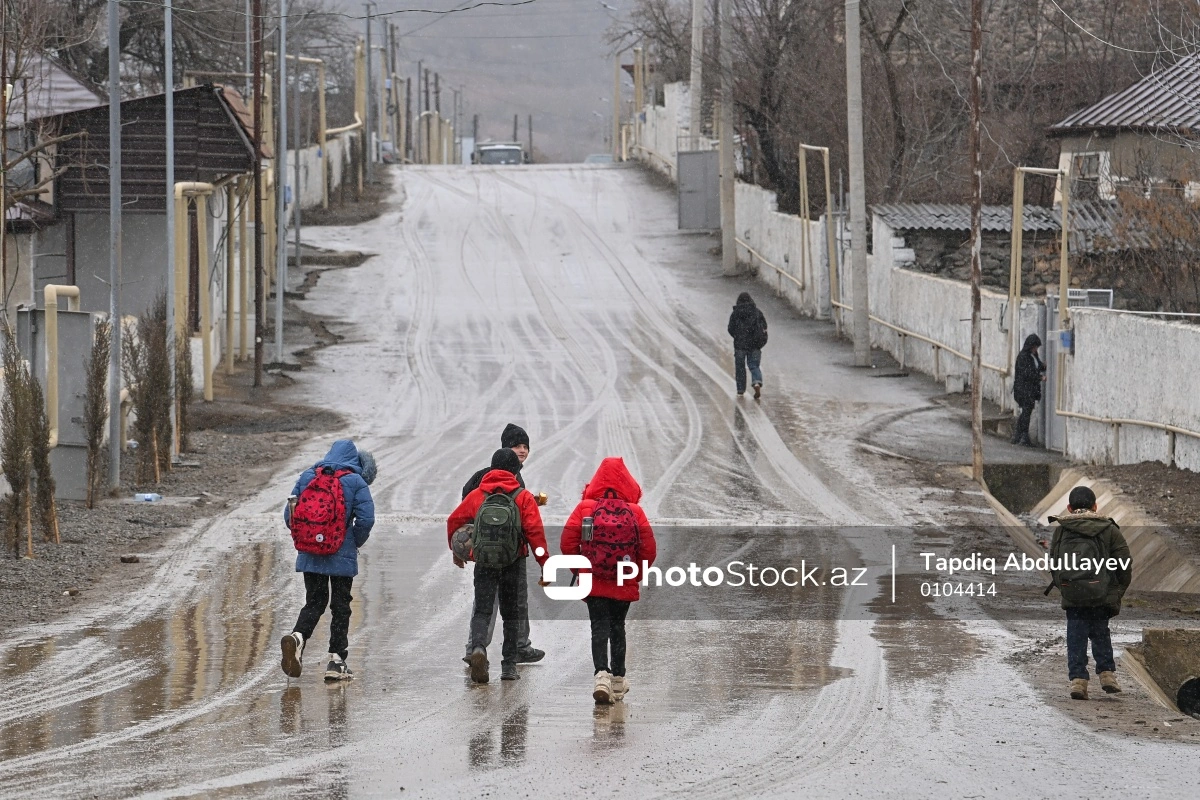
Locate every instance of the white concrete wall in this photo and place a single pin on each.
(310, 193)
(779, 239)
(1132, 367)
(663, 127)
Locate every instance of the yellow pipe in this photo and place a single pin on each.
(205, 298)
(51, 294)
(322, 133)
(231, 212)
(358, 123)
(244, 265)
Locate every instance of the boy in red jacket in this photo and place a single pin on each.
(609, 527)
(507, 580)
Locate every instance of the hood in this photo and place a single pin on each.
(499, 480)
(343, 455)
(613, 474)
(745, 301)
(1032, 341)
(1085, 523)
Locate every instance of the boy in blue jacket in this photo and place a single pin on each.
(332, 575)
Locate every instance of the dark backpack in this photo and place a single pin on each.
(319, 519)
(614, 536)
(1080, 587)
(497, 539)
(758, 330)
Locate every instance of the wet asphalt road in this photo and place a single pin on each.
(560, 298)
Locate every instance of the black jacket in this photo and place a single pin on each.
(747, 325)
(1027, 376)
(473, 484)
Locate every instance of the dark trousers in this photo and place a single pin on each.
(743, 359)
(608, 631)
(523, 642)
(507, 583)
(1084, 625)
(1021, 434)
(317, 596)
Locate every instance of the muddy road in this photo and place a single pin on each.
(561, 298)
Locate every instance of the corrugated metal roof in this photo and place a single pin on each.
(946, 217)
(1165, 100)
(42, 88)
(210, 144)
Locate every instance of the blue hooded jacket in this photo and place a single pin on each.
(360, 512)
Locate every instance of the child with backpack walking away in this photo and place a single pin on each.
(748, 327)
(1089, 596)
(608, 527)
(507, 524)
(330, 515)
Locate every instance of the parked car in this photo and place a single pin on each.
(598, 158)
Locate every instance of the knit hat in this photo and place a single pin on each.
(367, 464)
(514, 435)
(507, 460)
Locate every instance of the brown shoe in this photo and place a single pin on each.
(1108, 681)
(757, 390)
(1079, 689)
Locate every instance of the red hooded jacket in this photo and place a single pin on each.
(612, 474)
(531, 518)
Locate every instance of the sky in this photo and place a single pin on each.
(547, 58)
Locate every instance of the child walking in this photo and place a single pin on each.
(608, 526)
(330, 515)
(1090, 597)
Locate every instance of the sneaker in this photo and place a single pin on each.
(337, 669)
(619, 686)
(292, 646)
(530, 655)
(1079, 689)
(740, 394)
(603, 694)
(1108, 681)
(508, 672)
(757, 390)
(479, 665)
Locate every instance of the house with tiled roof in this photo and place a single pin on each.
(1144, 136)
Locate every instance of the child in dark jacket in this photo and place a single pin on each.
(1087, 618)
(609, 600)
(328, 579)
(506, 581)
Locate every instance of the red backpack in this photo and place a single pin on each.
(319, 521)
(614, 536)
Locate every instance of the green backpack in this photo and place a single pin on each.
(496, 542)
(1081, 587)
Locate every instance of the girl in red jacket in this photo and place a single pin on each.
(609, 527)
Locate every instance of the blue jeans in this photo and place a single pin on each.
(1084, 624)
(743, 359)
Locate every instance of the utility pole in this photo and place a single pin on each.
(437, 93)
(420, 72)
(281, 183)
(531, 137)
(977, 242)
(696, 90)
(408, 125)
(260, 300)
(858, 190)
(727, 166)
(169, 97)
(114, 244)
(516, 128)
(370, 154)
(616, 112)
(296, 166)
(246, 88)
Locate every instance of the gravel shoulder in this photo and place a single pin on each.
(236, 444)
